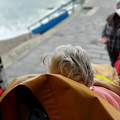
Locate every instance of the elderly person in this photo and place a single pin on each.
(111, 34)
(74, 63)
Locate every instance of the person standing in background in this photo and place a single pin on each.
(111, 34)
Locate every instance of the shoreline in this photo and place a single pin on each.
(9, 44)
(21, 45)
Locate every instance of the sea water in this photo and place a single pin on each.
(17, 15)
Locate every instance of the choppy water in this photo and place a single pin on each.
(17, 15)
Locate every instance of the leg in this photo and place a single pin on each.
(113, 57)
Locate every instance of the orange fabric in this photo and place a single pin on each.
(65, 99)
(107, 71)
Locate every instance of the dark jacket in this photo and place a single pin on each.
(112, 33)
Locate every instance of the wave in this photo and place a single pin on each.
(18, 16)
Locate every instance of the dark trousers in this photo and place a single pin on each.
(113, 57)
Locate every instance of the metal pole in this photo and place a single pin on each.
(73, 6)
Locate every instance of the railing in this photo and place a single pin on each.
(57, 10)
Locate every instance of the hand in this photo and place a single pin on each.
(104, 40)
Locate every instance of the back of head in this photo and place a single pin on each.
(72, 62)
(118, 3)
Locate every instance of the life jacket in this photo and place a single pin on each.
(54, 97)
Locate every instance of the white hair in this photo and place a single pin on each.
(72, 62)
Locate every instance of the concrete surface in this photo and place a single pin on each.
(83, 29)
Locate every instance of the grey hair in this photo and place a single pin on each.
(72, 62)
(118, 3)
